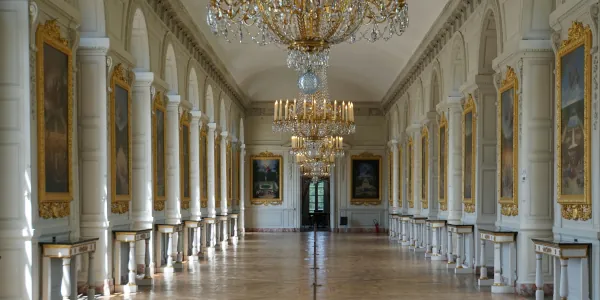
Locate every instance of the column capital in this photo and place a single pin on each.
(212, 126)
(451, 102)
(143, 79)
(412, 128)
(392, 143)
(224, 134)
(93, 46)
(428, 118)
(243, 146)
(174, 100)
(196, 115)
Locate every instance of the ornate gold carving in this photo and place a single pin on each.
(509, 205)
(576, 212)
(54, 210)
(121, 77)
(410, 179)
(575, 207)
(265, 201)
(362, 201)
(470, 108)
(184, 125)
(469, 207)
(509, 209)
(53, 205)
(425, 167)
(159, 105)
(443, 157)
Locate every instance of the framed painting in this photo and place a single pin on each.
(443, 163)
(508, 138)
(54, 88)
(409, 171)
(120, 131)
(159, 151)
(469, 154)
(425, 168)
(400, 176)
(390, 178)
(365, 179)
(573, 84)
(229, 175)
(184, 159)
(203, 167)
(217, 170)
(238, 161)
(266, 179)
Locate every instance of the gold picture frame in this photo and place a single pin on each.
(508, 120)
(203, 166)
(228, 161)
(410, 179)
(469, 154)
(120, 82)
(54, 195)
(390, 178)
(400, 176)
(217, 170)
(425, 168)
(185, 149)
(443, 163)
(574, 192)
(159, 150)
(273, 161)
(367, 198)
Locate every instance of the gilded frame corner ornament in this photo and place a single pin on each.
(53, 205)
(121, 77)
(260, 201)
(400, 176)
(443, 156)
(469, 107)
(203, 166)
(158, 104)
(509, 206)
(410, 177)
(361, 201)
(575, 207)
(184, 121)
(425, 168)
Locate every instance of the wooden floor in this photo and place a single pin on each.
(350, 266)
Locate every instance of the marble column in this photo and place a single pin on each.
(223, 166)
(173, 203)
(241, 224)
(454, 109)
(395, 173)
(210, 148)
(195, 126)
(141, 204)
(93, 131)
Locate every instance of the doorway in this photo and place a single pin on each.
(315, 204)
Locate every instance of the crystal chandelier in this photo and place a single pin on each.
(315, 147)
(307, 28)
(317, 167)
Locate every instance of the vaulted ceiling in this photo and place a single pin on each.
(360, 72)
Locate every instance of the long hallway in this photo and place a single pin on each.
(350, 266)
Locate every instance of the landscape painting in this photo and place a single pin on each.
(266, 179)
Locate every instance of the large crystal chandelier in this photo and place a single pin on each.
(308, 28)
(315, 147)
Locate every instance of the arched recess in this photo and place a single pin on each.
(209, 101)
(490, 42)
(435, 95)
(170, 70)
(458, 64)
(223, 115)
(138, 43)
(193, 96)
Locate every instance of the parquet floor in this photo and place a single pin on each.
(350, 266)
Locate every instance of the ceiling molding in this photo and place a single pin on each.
(451, 20)
(174, 15)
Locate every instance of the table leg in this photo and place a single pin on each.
(147, 259)
(170, 251)
(235, 228)
(434, 241)
(556, 294)
(91, 283)
(459, 254)
(497, 264)
(450, 255)
(132, 264)
(194, 253)
(564, 279)
(65, 286)
(483, 270)
(539, 277)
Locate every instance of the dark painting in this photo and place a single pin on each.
(442, 158)
(56, 99)
(410, 172)
(186, 160)
(424, 168)
(160, 153)
(506, 144)
(122, 140)
(468, 157)
(365, 179)
(266, 178)
(204, 169)
(572, 122)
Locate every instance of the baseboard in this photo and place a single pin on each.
(272, 229)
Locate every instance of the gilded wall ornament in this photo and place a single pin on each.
(469, 207)
(507, 152)
(573, 103)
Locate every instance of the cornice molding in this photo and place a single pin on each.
(453, 16)
(178, 21)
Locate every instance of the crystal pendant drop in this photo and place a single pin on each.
(308, 83)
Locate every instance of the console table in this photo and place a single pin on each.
(498, 236)
(437, 236)
(417, 224)
(131, 237)
(562, 252)
(65, 250)
(169, 230)
(191, 229)
(461, 255)
(405, 219)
